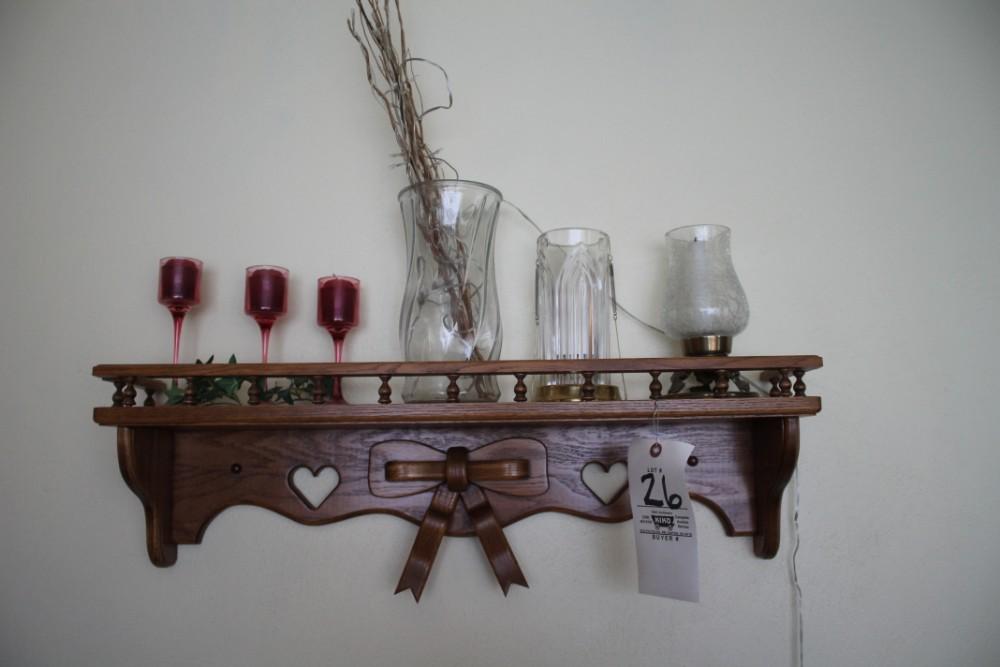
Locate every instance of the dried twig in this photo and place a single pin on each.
(390, 73)
(389, 68)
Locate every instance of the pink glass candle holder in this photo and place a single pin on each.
(266, 299)
(338, 311)
(180, 290)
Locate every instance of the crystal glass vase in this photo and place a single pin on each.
(574, 307)
(705, 303)
(450, 310)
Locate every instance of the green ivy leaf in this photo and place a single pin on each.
(225, 389)
(174, 395)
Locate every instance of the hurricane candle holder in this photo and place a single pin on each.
(705, 303)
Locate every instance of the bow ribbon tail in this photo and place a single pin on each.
(425, 546)
(491, 536)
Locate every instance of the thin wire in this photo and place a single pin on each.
(617, 303)
(618, 338)
(795, 569)
(524, 215)
(639, 320)
(793, 559)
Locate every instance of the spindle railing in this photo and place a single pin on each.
(720, 371)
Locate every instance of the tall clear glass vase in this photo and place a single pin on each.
(450, 310)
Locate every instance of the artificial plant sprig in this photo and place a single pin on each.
(225, 390)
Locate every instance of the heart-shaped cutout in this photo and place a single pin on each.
(313, 488)
(607, 483)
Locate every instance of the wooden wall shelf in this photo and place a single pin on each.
(455, 468)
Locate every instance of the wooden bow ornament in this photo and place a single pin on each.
(516, 466)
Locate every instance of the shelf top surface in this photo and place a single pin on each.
(400, 368)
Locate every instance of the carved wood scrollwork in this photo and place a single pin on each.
(185, 478)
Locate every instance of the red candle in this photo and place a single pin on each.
(266, 292)
(180, 282)
(337, 308)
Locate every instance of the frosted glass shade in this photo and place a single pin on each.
(703, 297)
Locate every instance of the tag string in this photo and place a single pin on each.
(656, 420)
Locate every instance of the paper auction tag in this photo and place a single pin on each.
(666, 542)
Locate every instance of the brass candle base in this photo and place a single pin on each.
(708, 346)
(574, 392)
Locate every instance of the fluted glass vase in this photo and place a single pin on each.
(574, 309)
(450, 310)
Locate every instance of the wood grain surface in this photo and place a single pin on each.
(205, 482)
(507, 367)
(146, 462)
(188, 463)
(399, 414)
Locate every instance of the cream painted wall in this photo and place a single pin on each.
(853, 147)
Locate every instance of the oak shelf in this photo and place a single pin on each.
(504, 461)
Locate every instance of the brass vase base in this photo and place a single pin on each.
(574, 392)
(708, 346)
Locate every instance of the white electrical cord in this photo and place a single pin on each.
(793, 567)
(796, 588)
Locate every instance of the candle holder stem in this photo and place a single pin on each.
(178, 316)
(336, 393)
(265, 339)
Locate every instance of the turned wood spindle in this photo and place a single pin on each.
(253, 394)
(384, 390)
(588, 389)
(319, 390)
(775, 391)
(721, 383)
(129, 393)
(150, 401)
(655, 387)
(189, 392)
(452, 389)
(785, 384)
(520, 389)
(118, 397)
(799, 386)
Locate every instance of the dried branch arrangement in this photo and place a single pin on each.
(377, 27)
(390, 73)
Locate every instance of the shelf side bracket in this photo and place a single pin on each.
(146, 461)
(775, 453)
